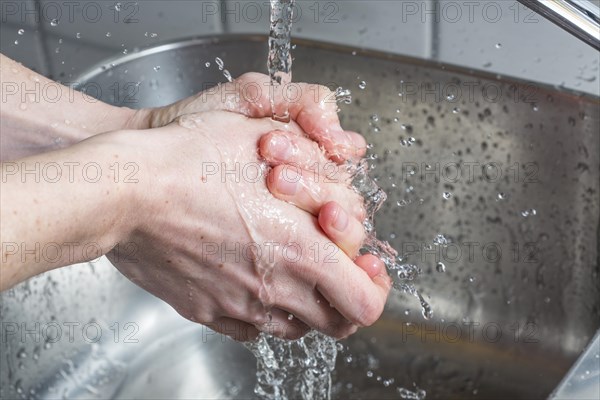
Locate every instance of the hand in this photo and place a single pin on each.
(314, 109)
(206, 243)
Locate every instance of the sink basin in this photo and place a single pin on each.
(507, 171)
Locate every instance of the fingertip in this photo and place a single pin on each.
(275, 147)
(372, 265)
(328, 214)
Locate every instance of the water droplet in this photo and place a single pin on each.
(440, 240)
(220, 63)
(22, 353)
(498, 45)
(348, 359)
(455, 110)
(534, 107)
(78, 35)
(447, 195)
(108, 34)
(16, 42)
(290, 317)
(440, 267)
(21, 32)
(369, 374)
(471, 279)
(529, 213)
(118, 7)
(362, 85)
(501, 196)
(207, 64)
(450, 97)
(375, 118)
(157, 68)
(54, 22)
(343, 95)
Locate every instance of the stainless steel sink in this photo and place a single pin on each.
(507, 170)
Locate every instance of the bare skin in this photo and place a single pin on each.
(164, 226)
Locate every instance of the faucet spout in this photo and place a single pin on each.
(581, 18)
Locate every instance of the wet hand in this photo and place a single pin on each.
(216, 245)
(302, 175)
(313, 108)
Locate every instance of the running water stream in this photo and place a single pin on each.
(301, 369)
(280, 57)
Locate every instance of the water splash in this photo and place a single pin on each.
(299, 369)
(402, 274)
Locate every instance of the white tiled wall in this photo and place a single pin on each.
(85, 32)
(373, 24)
(451, 31)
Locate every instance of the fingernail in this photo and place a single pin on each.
(280, 147)
(341, 220)
(287, 183)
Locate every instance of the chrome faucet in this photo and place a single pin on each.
(581, 18)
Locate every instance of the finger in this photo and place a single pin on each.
(235, 329)
(372, 265)
(308, 305)
(344, 230)
(289, 147)
(359, 298)
(315, 110)
(299, 187)
(283, 147)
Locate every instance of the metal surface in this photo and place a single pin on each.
(583, 381)
(519, 300)
(580, 18)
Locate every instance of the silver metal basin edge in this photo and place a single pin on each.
(518, 302)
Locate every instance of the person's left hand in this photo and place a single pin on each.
(314, 109)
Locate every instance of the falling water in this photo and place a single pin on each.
(301, 369)
(280, 57)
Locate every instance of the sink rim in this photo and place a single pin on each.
(320, 45)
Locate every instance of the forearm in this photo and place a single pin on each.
(39, 115)
(62, 207)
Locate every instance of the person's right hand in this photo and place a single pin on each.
(216, 245)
